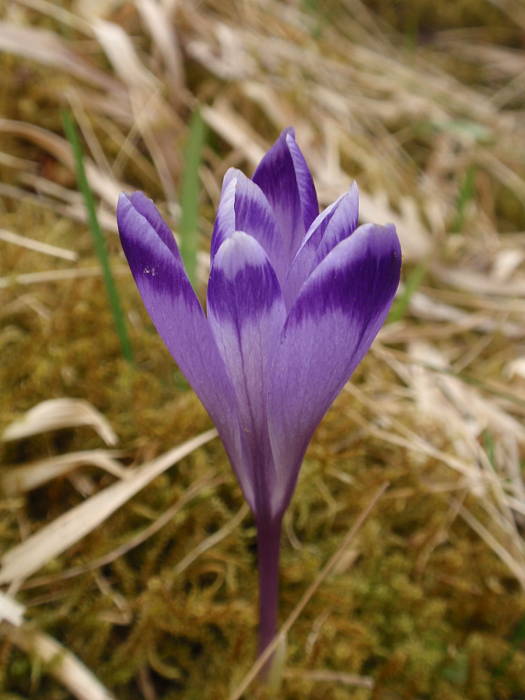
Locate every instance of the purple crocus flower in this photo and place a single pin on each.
(295, 299)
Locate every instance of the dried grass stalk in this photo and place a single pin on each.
(60, 413)
(18, 479)
(26, 558)
(63, 664)
(38, 246)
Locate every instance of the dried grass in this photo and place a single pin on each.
(145, 579)
(50, 541)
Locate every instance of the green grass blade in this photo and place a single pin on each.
(466, 194)
(400, 305)
(99, 241)
(189, 195)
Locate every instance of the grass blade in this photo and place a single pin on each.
(189, 195)
(401, 304)
(467, 192)
(98, 237)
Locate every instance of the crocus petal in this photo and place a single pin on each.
(225, 219)
(285, 179)
(333, 322)
(243, 207)
(336, 222)
(341, 225)
(145, 207)
(169, 298)
(305, 183)
(246, 313)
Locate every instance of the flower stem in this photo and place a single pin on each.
(268, 547)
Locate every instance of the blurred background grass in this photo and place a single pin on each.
(423, 104)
